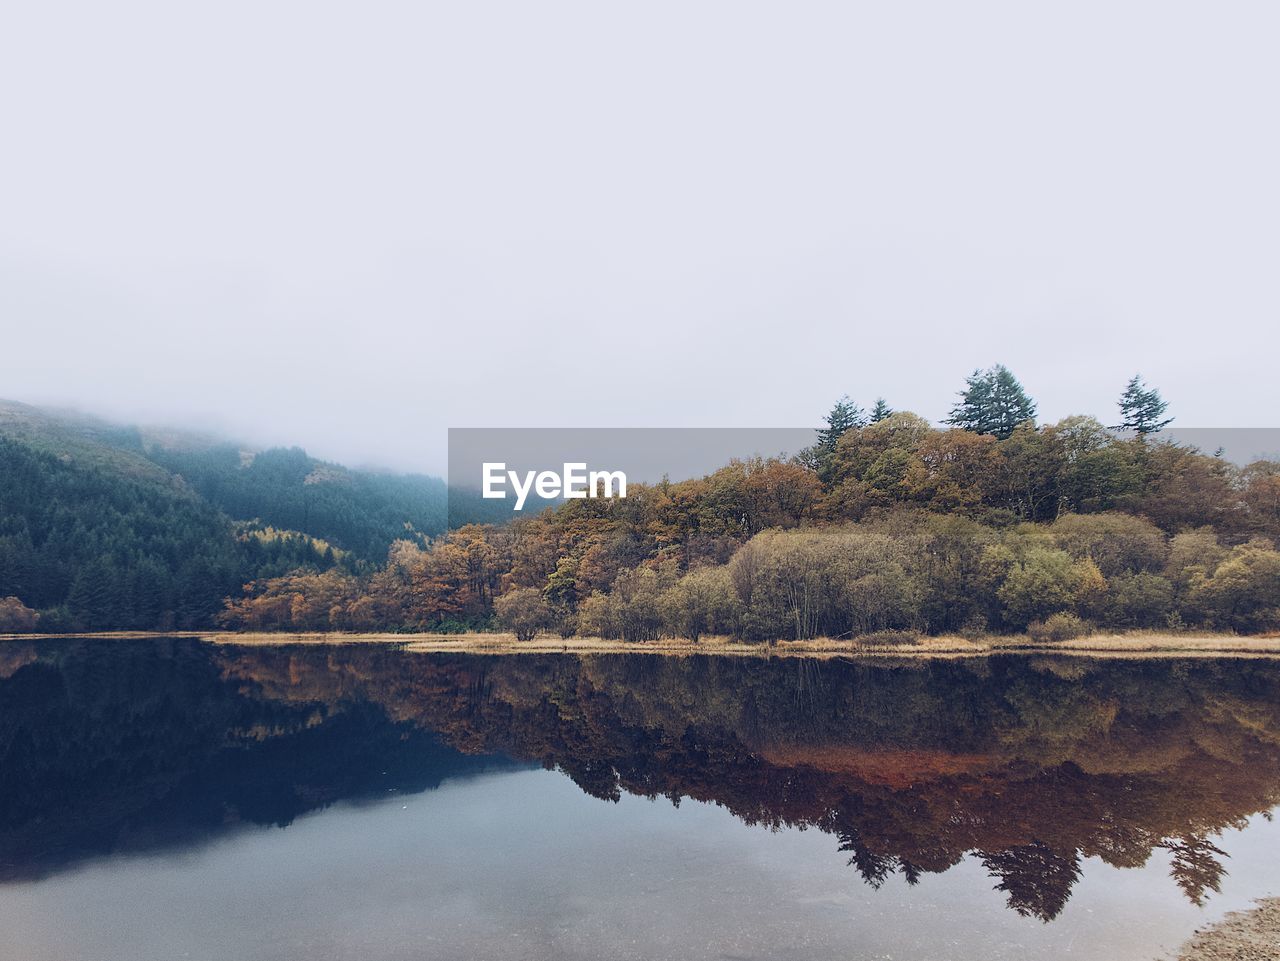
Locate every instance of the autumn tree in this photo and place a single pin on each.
(524, 612)
(701, 602)
(1117, 543)
(16, 617)
(1243, 593)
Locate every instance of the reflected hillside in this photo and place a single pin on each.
(1031, 764)
(1028, 764)
(110, 747)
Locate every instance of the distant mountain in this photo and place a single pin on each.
(103, 525)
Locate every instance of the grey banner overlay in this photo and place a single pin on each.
(647, 455)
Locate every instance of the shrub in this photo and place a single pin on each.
(16, 617)
(1117, 543)
(524, 612)
(701, 602)
(1062, 626)
(1192, 553)
(633, 608)
(1244, 591)
(830, 582)
(596, 617)
(1140, 600)
(1043, 582)
(974, 628)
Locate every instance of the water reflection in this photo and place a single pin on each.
(1031, 765)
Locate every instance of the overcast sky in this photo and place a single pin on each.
(353, 225)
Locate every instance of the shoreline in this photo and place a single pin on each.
(1251, 933)
(1132, 645)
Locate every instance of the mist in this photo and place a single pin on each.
(351, 227)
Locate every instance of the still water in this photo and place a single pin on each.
(174, 799)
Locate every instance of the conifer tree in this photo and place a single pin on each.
(94, 598)
(845, 415)
(993, 402)
(880, 411)
(1142, 408)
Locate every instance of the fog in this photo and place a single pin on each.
(351, 226)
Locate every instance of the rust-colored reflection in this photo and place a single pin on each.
(1031, 764)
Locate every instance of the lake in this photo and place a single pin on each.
(171, 798)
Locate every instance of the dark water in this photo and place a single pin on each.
(170, 799)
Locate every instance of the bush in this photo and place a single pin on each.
(524, 612)
(1140, 600)
(16, 617)
(1117, 543)
(1045, 580)
(633, 608)
(974, 628)
(699, 603)
(1062, 626)
(830, 582)
(1243, 593)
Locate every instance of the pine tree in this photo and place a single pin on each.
(1142, 407)
(844, 416)
(94, 599)
(880, 411)
(993, 402)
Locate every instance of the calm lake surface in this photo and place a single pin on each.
(168, 799)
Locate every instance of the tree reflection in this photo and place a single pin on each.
(1195, 865)
(1028, 765)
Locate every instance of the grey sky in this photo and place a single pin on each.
(352, 225)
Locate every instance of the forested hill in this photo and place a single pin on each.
(357, 511)
(108, 526)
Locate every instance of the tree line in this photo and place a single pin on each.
(98, 531)
(993, 524)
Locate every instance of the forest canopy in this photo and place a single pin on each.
(886, 524)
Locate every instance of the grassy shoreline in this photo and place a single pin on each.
(1131, 645)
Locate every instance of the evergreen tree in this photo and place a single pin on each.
(844, 416)
(993, 402)
(94, 599)
(1142, 407)
(880, 411)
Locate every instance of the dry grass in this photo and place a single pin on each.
(1146, 644)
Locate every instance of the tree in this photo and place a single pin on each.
(95, 595)
(880, 411)
(1116, 542)
(1141, 408)
(993, 402)
(1044, 583)
(16, 617)
(844, 416)
(1244, 591)
(525, 612)
(700, 602)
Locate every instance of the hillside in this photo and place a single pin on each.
(103, 525)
